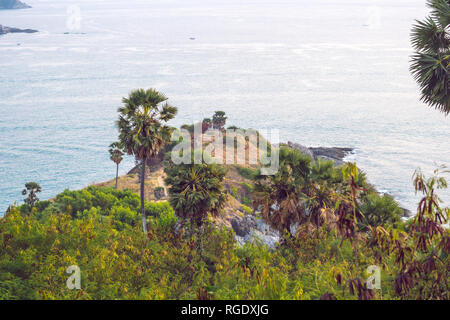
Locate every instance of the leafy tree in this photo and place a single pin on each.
(142, 129)
(431, 61)
(219, 120)
(116, 155)
(196, 190)
(32, 188)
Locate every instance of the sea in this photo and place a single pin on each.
(321, 72)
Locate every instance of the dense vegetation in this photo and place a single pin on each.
(99, 230)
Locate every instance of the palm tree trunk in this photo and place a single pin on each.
(117, 173)
(144, 220)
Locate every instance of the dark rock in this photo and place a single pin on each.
(13, 4)
(5, 30)
(243, 227)
(334, 153)
(407, 213)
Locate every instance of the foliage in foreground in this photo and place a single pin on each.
(116, 262)
(98, 230)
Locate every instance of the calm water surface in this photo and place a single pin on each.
(323, 72)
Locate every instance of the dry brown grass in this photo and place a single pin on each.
(131, 182)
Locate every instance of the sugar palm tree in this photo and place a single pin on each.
(142, 129)
(431, 61)
(219, 120)
(116, 155)
(32, 188)
(196, 190)
(282, 197)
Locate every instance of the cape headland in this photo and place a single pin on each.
(13, 4)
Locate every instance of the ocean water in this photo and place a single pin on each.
(322, 72)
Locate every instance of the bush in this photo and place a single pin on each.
(162, 213)
(42, 205)
(380, 211)
(157, 209)
(124, 216)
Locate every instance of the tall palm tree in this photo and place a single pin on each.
(142, 129)
(431, 61)
(196, 190)
(116, 155)
(32, 188)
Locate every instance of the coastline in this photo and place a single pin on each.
(339, 155)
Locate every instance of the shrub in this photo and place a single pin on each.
(379, 211)
(42, 205)
(124, 216)
(157, 209)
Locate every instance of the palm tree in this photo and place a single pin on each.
(282, 197)
(431, 61)
(196, 190)
(32, 188)
(219, 120)
(206, 124)
(142, 131)
(116, 155)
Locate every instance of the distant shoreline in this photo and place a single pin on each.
(13, 5)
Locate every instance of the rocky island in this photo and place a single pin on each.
(13, 4)
(5, 30)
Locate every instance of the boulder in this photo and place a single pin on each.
(243, 226)
(333, 153)
(249, 228)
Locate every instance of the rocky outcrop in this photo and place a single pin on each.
(334, 153)
(246, 226)
(5, 30)
(249, 228)
(13, 4)
(407, 213)
(301, 148)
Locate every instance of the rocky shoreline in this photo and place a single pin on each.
(13, 4)
(335, 154)
(250, 228)
(5, 30)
